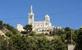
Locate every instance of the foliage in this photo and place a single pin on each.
(68, 32)
(8, 34)
(79, 40)
(10, 28)
(33, 42)
(37, 43)
(1, 24)
(28, 28)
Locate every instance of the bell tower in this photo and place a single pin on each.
(47, 20)
(31, 16)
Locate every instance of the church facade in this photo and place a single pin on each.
(43, 26)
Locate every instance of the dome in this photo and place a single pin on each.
(47, 18)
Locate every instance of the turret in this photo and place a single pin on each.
(31, 16)
(47, 20)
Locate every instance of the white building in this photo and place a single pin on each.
(37, 26)
(20, 27)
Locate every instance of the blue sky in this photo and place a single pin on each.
(62, 12)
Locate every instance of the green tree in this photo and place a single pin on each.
(3, 43)
(68, 34)
(79, 40)
(28, 28)
(1, 24)
(10, 28)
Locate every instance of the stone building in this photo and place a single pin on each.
(44, 26)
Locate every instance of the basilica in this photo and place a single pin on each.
(43, 26)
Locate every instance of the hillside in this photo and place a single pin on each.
(11, 39)
(6, 28)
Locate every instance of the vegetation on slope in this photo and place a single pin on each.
(56, 40)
